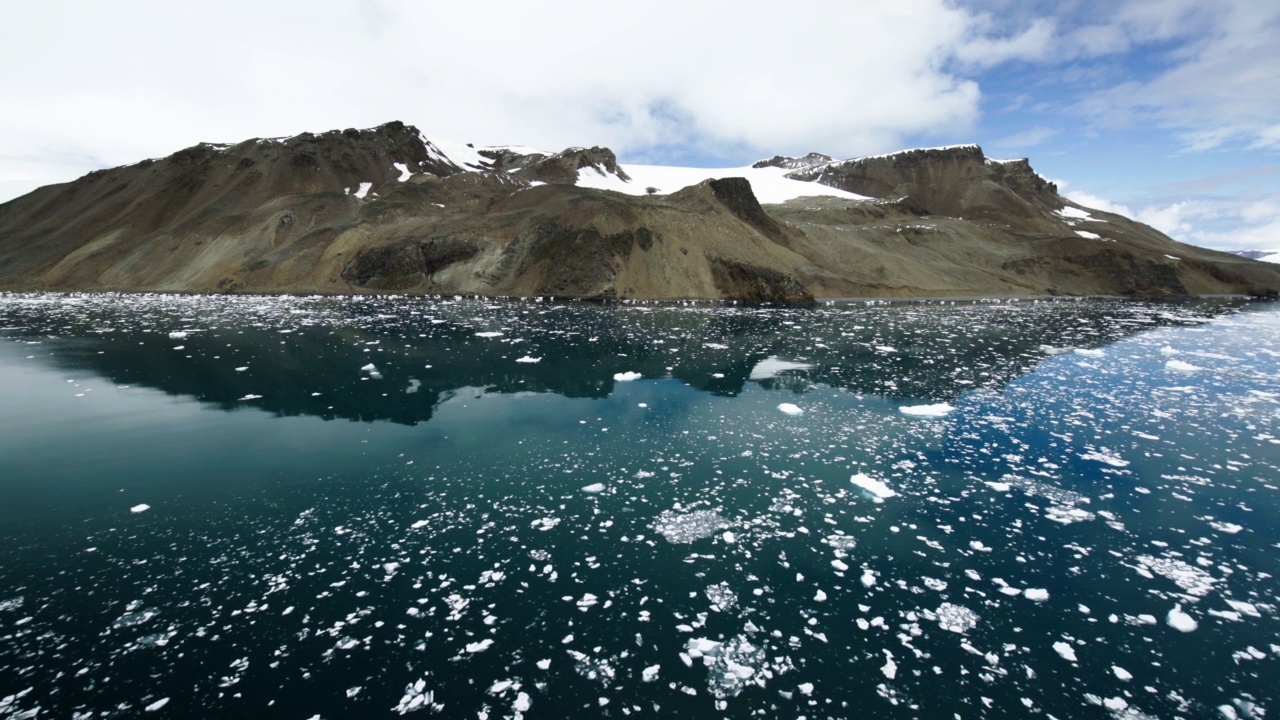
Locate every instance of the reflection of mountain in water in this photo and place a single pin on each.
(305, 356)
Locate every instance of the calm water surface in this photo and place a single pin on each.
(353, 507)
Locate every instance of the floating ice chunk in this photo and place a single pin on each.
(876, 488)
(1179, 620)
(890, 668)
(722, 597)
(791, 409)
(820, 596)
(370, 368)
(523, 702)
(1067, 652)
(1182, 367)
(868, 578)
(489, 334)
(178, 334)
(1089, 352)
(528, 359)
(687, 527)
(997, 486)
(626, 376)
(479, 647)
(251, 396)
(650, 673)
(1243, 607)
(157, 705)
(544, 664)
(500, 687)
(1168, 350)
(420, 524)
(1121, 673)
(956, 618)
(593, 488)
(729, 537)
(805, 688)
(1226, 527)
(414, 384)
(886, 349)
(140, 508)
(937, 410)
(1036, 594)
(1106, 458)
(1192, 579)
(772, 367)
(839, 565)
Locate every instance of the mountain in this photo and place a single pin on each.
(387, 210)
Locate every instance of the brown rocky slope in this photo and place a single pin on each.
(384, 210)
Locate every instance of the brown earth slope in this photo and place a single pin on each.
(384, 210)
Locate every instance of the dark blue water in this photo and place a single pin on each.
(289, 507)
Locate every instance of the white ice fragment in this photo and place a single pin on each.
(790, 409)
(868, 578)
(956, 618)
(626, 376)
(839, 565)
(489, 334)
(370, 368)
(1182, 367)
(1037, 594)
(479, 647)
(140, 508)
(890, 668)
(157, 705)
(528, 359)
(729, 537)
(1179, 620)
(178, 334)
(1067, 652)
(544, 664)
(523, 702)
(1105, 458)
(877, 488)
(771, 367)
(650, 673)
(1089, 352)
(937, 410)
(820, 596)
(1121, 673)
(593, 488)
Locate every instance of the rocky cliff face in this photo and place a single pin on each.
(384, 210)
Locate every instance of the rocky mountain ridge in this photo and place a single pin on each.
(387, 210)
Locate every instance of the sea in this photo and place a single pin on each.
(361, 507)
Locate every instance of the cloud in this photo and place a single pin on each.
(138, 78)
(1088, 200)
(1027, 138)
(1222, 83)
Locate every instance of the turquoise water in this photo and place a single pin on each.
(359, 507)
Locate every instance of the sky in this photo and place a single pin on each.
(1164, 110)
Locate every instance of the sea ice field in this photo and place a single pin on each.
(355, 507)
